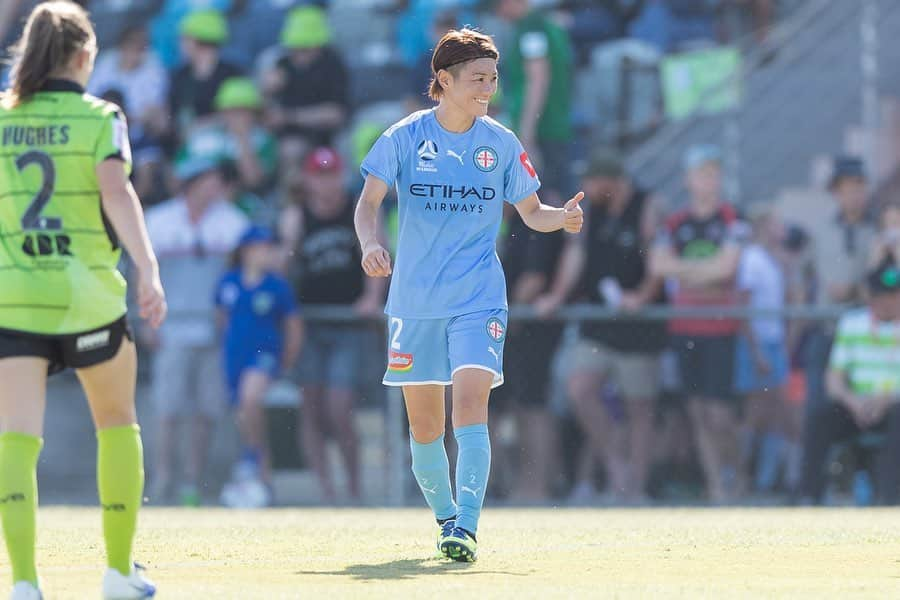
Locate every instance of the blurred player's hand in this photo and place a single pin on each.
(376, 261)
(151, 298)
(573, 217)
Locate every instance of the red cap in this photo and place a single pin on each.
(322, 159)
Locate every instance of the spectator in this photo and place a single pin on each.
(193, 235)
(307, 87)
(196, 83)
(236, 135)
(329, 272)
(147, 155)
(761, 362)
(164, 29)
(135, 70)
(529, 261)
(699, 250)
(537, 82)
(420, 74)
(841, 248)
(886, 247)
(112, 18)
(863, 386)
(672, 24)
(259, 22)
(262, 337)
(608, 266)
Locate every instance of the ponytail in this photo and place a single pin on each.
(53, 33)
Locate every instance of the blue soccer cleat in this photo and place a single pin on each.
(459, 545)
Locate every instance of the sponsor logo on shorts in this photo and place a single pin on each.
(92, 341)
(496, 330)
(399, 361)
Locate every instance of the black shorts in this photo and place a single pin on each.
(73, 350)
(527, 363)
(706, 366)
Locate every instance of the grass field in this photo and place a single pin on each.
(549, 553)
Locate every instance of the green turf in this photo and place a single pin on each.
(331, 554)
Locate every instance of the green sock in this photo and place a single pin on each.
(18, 501)
(120, 481)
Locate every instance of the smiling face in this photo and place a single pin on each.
(469, 87)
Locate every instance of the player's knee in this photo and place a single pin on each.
(425, 431)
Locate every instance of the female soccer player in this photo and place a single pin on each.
(453, 166)
(63, 181)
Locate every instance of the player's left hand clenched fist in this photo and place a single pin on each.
(573, 217)
(376, 261)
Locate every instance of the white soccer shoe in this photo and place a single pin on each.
(25, 590)
(134, 587)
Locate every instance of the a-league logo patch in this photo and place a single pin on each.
(496, 330)
(485, 159)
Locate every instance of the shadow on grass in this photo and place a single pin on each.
(409, 568)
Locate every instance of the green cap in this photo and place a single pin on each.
(208, 26)
(238, 92)
(305, 27)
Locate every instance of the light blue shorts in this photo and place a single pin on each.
(430, 351)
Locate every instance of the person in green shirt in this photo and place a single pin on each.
(537, 82)
(67, 208)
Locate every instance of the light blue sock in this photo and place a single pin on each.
(472, 469)
(431, 468)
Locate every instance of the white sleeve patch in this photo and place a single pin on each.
(120, 138)
(534, 44)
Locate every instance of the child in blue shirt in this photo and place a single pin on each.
(263, 332)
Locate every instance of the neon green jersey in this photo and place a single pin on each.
(58, 254)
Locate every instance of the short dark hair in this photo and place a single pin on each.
(455, 48)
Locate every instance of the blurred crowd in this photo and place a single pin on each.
(248, 120)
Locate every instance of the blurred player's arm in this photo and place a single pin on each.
(293, 340)
(123, 209)
(376, 261)
(545, 218)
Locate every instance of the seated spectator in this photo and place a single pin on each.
(136, 71)
(196, 83)
(262, 336)
(761, 362)
(307, 88)
(236, 135)
(863, 386)
(608, 266)
(193, 235)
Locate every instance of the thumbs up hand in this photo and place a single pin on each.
(573, 216)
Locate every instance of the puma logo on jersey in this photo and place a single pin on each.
(458, 157)
(92, 341)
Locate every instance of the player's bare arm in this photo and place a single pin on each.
(376, 261)
(544, 218)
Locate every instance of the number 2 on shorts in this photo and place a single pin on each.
(395, 344)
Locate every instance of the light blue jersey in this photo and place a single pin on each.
(451, 188)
